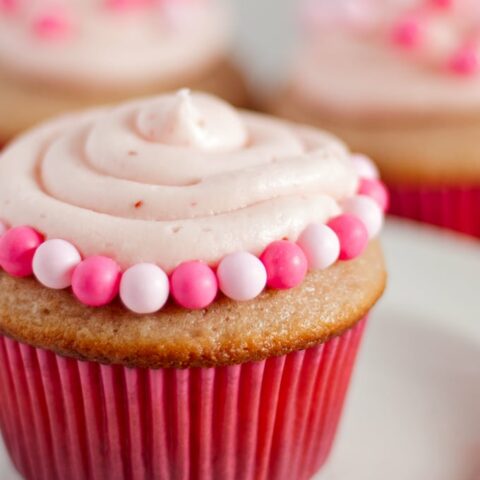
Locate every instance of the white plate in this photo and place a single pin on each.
(414, 408)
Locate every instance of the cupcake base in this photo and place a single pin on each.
(456, 208)
(271, 420)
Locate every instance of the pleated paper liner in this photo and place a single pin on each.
(449, 207)
(272, 420)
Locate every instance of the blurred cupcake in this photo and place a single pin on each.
(399, 81)
(61, 55)
(202, 279)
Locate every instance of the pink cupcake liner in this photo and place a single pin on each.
(456, 208)
(276, 419)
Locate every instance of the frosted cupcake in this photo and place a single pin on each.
(183, 293)
(61, 55)
(400, 81)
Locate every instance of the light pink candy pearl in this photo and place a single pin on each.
(376, 190)
(466, 61)
(367, 210)
(364, 167)
(320, 245)
(96, 281)
(17, 248)
(194, 285)
(54, 263)
(242, 276)
(144, 288)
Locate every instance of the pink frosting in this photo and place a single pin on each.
(105, 44)
(354, 67)
(171, 179)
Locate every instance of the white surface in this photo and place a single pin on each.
(413, 412)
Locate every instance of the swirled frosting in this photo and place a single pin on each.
(173, 178)
(110, 43)
(350, 65)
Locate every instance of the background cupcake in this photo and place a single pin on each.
(399, 81)
(60, 55)
(240, 359)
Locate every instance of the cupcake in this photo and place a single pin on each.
(399, 81)
(184, 288)
(59, 55)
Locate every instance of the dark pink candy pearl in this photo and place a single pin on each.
(96, 281)
(286, 264)
(376, 190)
(17, 248)
(194, 285)
(352, 233)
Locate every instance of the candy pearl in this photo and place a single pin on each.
(407, 33)
(52, 25)
(320, 245)
(3, 228)
(96, 281)
(442, 4)
(352, 233)
(364, 167)
(465, 62)
(376, 190)
(54, 263)
(194, 285)
(17, 248)
(8, 6)
(144, 288)
(286, 264)
(121, 5)
(367, 210)
(242, 276)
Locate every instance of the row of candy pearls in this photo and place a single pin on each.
(240, 276)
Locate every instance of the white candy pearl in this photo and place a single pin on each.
(54, 262)
(367, 210)
(364, 167)
(320, 245)
(241, 276)
(144, 288)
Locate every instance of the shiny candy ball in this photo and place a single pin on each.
(352, 233)
(17, 247)
(320, 245)
(286, 264)
(376, 190)
(54, 263)
(364, 167)
(367, 210)
(465, 62)
(242, 276)
(193, 285)
(144, 288)
(96, 281)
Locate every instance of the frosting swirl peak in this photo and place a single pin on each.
(173, 178)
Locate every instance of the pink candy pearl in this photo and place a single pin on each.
(96, 281)
(17, 248)
(352, 233)
(194, 285)
(286, 264)
(144, 288)
(407, 33)
(242, 276)
(465, 62)
(376, 190)
(8, 6)
(3, 228)
(320, 245)
(54, 263)
(367, 210)
(364, 167)
(52, 25)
